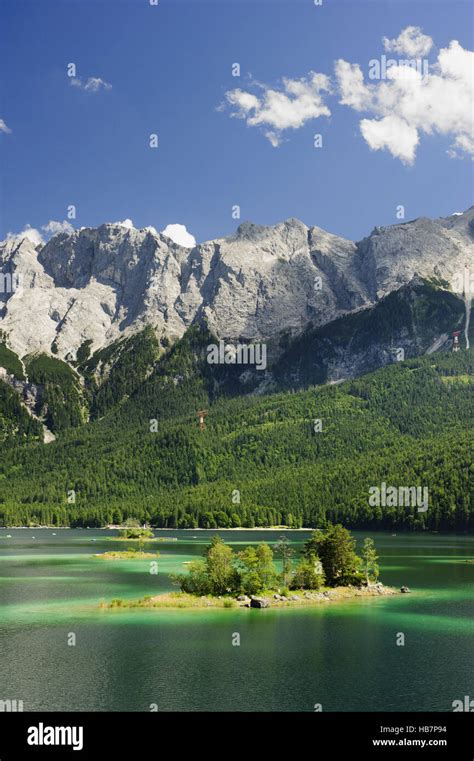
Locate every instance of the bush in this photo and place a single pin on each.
(335, 549)
(221, 572)
(136, 533)
(356, 579)
(309, 574)
(197, 581)
(220, 568)
(256, 570)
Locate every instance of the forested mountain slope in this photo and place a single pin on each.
(261, 459)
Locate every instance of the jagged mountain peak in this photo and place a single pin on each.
(251, 231)
(98, 284)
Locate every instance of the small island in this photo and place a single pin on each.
(129, 554)
(328, 570)
(132, 532)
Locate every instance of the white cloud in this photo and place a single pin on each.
(125, 223)
(463, 144)
(92, 84)
(4, 128)
(31, 233)
(403, 71)
(54, 228)
(36, 236)
(404, 107)
(393, 133)
(179, 235)
(411, 41)
(405, 104)
(352, 89)
(276, 110)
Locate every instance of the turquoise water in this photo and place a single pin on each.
(342, 655)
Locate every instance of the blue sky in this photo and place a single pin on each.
(169, 68)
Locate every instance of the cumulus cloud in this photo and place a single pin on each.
(125, 223)
(407, 104)
(54, 228)
(393, 133)
(463, 144)
(31, 233)
(411, 41)
(400, 104)
(92, 84)
(37, 237)
(290, 106)
(4, 128)
(352, 89)
(179, 235)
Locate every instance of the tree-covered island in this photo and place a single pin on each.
(132, 532)
(327, 569)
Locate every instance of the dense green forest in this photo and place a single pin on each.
(113, 373)
(261, 459)
(9, 361)
(15, 422)
(61, 402)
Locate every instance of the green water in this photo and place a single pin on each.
(342, 655)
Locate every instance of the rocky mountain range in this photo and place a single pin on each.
(98, 285)
(107, 392)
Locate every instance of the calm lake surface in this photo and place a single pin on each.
(342, 655)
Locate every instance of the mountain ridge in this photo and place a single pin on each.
(98, 284)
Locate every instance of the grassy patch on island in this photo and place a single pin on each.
(130, 554)
(296, 599)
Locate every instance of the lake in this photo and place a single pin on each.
(342, 655)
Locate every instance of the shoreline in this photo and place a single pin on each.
(393, 533)
(234, 528)
(121, 528)
(125, 555)
(271, 600)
